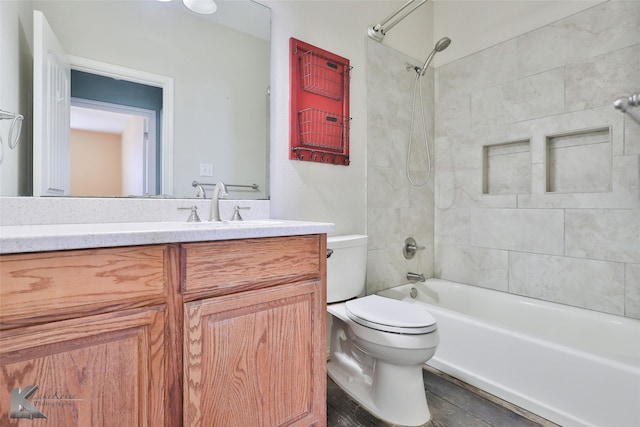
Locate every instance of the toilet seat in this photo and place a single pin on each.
(390, 315)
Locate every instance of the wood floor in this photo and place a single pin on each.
(451, 402)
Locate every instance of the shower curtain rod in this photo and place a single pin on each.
(378, 31)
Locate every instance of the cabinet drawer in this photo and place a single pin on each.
(49, 286)
(217, 268)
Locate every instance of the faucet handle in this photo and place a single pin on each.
(193, 217)
(236, 212)
(410, 248)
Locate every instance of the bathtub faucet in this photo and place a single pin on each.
(415, 277)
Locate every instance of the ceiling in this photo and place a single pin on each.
(98, 120)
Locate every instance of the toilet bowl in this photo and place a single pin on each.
(377, 345)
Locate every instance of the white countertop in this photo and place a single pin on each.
(39, 238)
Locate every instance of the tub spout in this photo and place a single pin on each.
(415, 277)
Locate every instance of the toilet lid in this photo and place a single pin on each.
(391, 315)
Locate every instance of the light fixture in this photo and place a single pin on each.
(205, 7)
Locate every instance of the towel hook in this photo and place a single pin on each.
(16, 119)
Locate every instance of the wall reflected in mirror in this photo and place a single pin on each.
(115, 143)
(220, 75)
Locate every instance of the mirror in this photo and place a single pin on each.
(219, 65)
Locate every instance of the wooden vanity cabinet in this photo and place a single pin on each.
(222, 333)
(87, 328)
(254, 332)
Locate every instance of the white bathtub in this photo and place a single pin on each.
(572, 366)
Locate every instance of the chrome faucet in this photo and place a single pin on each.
(219, 192)
(415, 277)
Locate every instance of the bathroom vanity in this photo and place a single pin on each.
(215, 328)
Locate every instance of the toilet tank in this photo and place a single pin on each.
(346, 267)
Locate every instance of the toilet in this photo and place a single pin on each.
(377, 345)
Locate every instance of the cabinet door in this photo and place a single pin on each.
(249, 358)
(103, 370)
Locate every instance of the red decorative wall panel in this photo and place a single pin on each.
(319, 122)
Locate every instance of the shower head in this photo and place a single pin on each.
(628, 105)
(441, 45)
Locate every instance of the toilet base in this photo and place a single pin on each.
(395, 394)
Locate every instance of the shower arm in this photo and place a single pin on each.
(378, 31)
(628, 105)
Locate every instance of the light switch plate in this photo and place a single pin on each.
(206, 169)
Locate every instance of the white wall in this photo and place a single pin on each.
(95, 164)
(132, 157)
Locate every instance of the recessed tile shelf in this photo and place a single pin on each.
(579, 162)
(507, 168)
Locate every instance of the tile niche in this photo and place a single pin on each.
(579, 162)
(507, 168)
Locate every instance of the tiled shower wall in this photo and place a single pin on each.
(395, 209)
(537, 175)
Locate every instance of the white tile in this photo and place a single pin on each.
(528, 230)
(632, 306)
(600, 80)
(596, 285)
(488, 67)
(452, 226)
(626, 177)
(452, 113)
(387, 268)
(387, 145)
(382, 226)
(631, 136)
(395, 209)
(538, 187)
(468, 193)
(387, 188)
(525, 99)
(604, 234)
(601, 29)
(474, 266)
(581, 201)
